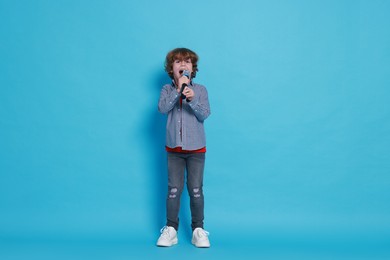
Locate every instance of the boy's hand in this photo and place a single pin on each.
(189, 93)
(182, 80)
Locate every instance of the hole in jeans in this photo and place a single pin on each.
(196, 192)
(172, 194)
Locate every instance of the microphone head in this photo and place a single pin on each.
(186, 73)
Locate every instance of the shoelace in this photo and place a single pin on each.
(164, 231)
(204, 232)
(161, 230)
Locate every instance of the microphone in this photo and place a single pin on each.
(187, 74)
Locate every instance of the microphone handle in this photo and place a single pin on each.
(187, 74)
(181, 90)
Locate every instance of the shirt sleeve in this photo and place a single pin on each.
(200, 104)
(168, 99)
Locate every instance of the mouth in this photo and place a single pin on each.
(182, 70)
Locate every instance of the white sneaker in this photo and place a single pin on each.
(168, 237)
(200, 238)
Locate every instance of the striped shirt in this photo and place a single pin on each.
(185, 127)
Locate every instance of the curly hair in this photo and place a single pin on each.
(181, 54)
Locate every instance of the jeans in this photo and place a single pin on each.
(193, 163)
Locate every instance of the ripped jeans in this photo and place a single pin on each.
(193, 163)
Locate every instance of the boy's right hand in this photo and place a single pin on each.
(182, 80)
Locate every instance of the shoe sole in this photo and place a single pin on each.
(174, 242)
(206, 245)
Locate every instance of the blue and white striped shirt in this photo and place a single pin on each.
(185, 127)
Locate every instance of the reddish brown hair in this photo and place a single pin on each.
(181, 54)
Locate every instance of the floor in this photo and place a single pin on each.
(223, 246)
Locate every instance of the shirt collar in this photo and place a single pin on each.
(174, 84)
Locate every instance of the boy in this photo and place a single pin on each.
(187, 106)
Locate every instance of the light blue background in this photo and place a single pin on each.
(298, 139)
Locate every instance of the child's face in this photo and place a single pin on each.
(179, 66)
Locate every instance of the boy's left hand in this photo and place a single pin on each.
(189, 93)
